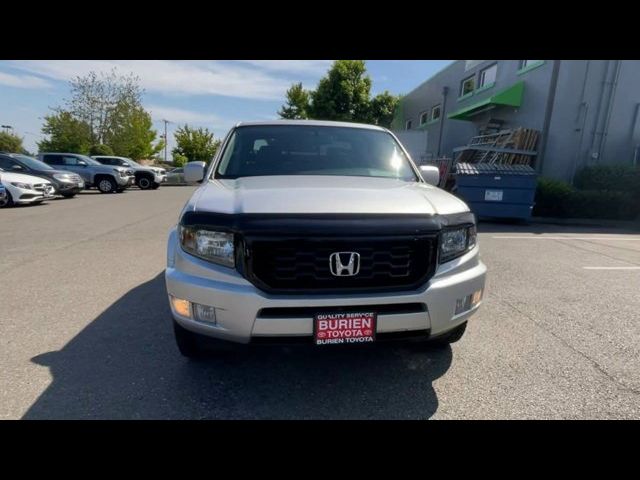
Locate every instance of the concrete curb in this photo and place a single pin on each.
(588, 222)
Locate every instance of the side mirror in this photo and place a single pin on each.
(194, 172)
(82, 163)
(431, 174)
(17, 167)
(126, 164)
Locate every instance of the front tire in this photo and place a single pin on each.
(68, 195)
(145, 183)
(107, 185)
(8, 202)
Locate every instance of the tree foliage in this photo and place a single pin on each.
(343, 94)
(10, 142)
(131, 134)
(382, 109)
(66, 134)
(195, 144)
(103, 109)
(297, 106)
(100, 149)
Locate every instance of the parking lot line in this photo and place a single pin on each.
(611, 268)
(540, 237)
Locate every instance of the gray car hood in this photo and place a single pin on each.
(322, 194)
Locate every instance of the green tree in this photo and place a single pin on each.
(179, 160)
(131, 134)
(343, 94)
(107, 110)
(66, 134)
(297, 106)
(195, 144)
(98, 100)
(100, 149)
(382, 109)
(10, 142)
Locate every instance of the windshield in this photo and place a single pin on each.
(132, 162)
(32, 163)
(260, 150)
(89, 160)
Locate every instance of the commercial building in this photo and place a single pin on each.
(587, 111)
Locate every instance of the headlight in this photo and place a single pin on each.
(62, 177)
(24, 186)
(216, 247)
(457, 241)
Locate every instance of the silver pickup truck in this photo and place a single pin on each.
(323, 233)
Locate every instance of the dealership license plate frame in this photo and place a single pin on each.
(352, 315)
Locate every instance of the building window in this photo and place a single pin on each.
(424, 118)
(407, 126)
(467, 86)
(435, 113)
(488, 76)
(528, 63)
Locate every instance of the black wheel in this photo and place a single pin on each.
(155, 186)
(8, 202)
(187, 342)
(68, 195)
(452, 337)
(145, 183)
(107, 185)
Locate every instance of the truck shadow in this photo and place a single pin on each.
(125, 365)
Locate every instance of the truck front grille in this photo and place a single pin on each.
(302, 265)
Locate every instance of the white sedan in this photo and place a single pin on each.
(23, 189)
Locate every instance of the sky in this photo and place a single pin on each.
(210, 93)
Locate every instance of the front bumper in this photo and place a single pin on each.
(125, 181)
(239, 303)
(66, 188)
(160, 178)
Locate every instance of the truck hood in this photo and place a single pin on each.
(323, 194)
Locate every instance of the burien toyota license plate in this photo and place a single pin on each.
(344, 328)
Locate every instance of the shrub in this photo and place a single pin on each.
(552, 197)
(610, 178)
(100, 149)
(558, 199)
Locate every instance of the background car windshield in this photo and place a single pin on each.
(132, 162)
(33, 163)
(313, 150)
(89, 160)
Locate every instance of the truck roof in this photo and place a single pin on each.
(312, 123)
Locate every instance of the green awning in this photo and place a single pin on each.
(511, 97)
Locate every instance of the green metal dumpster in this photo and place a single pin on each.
(497, 191)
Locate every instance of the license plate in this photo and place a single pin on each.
(493, 195)
(344, 328)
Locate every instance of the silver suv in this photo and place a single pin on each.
(146, 177)
(320, 232)
(107, 179)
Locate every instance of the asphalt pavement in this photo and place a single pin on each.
(86, 330)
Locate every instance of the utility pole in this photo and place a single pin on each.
(7, 128)
(166, 141)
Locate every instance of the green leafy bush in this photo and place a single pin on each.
(610, 178)
(100, 150)
(559, 199)
(552, 197)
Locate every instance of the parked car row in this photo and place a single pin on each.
(26, 180)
